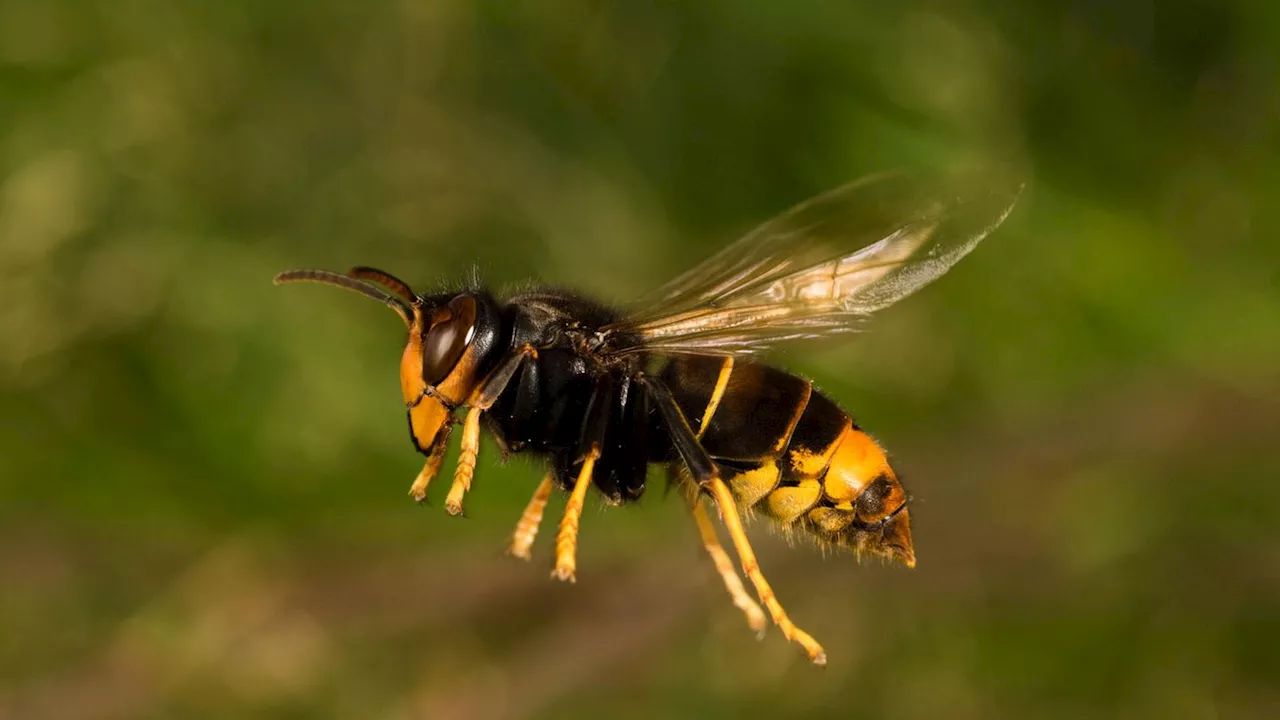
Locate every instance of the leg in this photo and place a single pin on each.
(418, 491)
(527, 528)
(704, 472)
(593, 431)
(484, 396)
(466, 462)
(567, 538)
(755, 616)
(733, 523)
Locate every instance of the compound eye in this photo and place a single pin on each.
(451, 331)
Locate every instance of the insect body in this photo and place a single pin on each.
(602, 394)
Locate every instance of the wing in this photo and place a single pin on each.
(822, 267)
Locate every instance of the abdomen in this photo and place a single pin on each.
(789, 452)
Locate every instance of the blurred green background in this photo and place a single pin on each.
(203, 478)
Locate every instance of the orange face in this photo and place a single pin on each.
(437, 368)
(426, 413)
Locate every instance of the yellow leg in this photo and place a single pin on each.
(755, 616)
(527, 528)
(466, 462)
(567, 538)
(733, 523)
(418, 490)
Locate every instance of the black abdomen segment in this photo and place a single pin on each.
(768, 429)
(745, 412)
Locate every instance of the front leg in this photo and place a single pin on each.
(481, 399)
(418, 490)
(466, 462)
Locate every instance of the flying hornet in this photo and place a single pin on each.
(601, 393)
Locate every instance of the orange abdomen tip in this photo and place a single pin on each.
(860, 481)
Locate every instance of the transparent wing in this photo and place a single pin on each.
(822, 267)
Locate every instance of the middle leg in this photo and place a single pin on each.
(594, 427)
(567, 538)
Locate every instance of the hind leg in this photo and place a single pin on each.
(755, 616)
(704, 472)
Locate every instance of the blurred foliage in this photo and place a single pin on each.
(202, 477)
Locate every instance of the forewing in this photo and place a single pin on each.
(824, 266)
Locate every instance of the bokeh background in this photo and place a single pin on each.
(203, 478)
